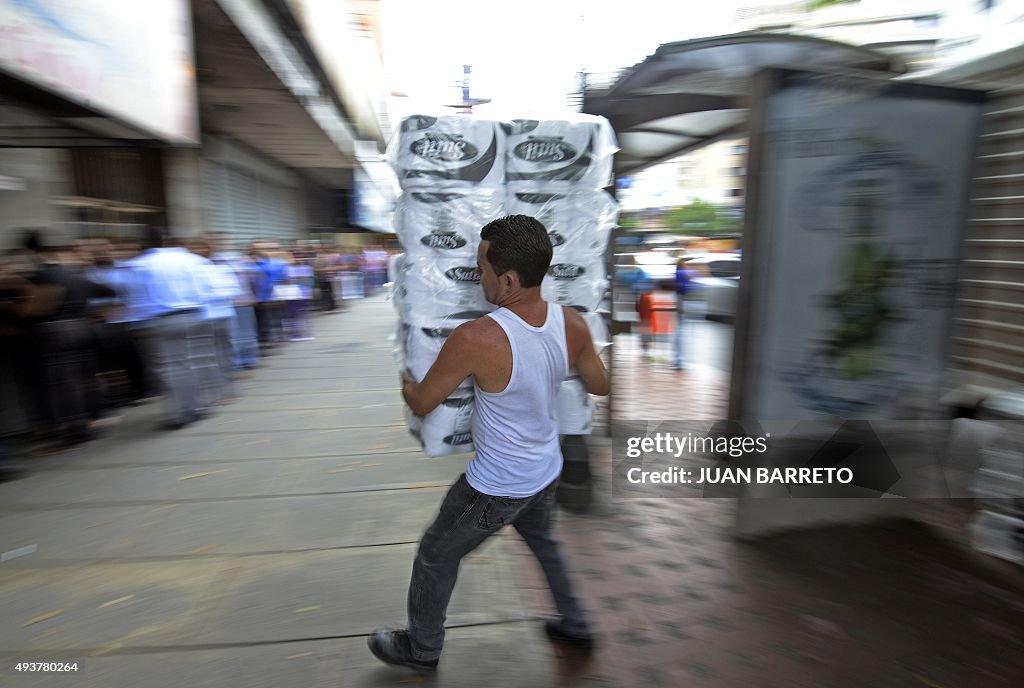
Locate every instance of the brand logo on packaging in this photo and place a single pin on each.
(463, 274)
(566, 271)
(444, 148)
(538, 198)
(423, 197)
(474, 171)
(459, 438)
(418, 123)
(543, 149)
(443, 240)
(556, 239)
(574, 171)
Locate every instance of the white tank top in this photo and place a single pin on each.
(515, 431)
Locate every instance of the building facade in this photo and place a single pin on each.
(202, 116)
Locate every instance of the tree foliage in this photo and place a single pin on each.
(699, 218)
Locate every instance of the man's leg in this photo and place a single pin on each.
(277, 322)
(466, 519)
(454, 533)
(243, 337)
(262, 314)
(677, 337)
(171, 344)
(134, 362)
(222, 328)
(534, 525)
(203, 365)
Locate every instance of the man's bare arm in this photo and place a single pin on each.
(453, 365)
(584, 356)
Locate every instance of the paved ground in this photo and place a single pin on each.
(258, 548)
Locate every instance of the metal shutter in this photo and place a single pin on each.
(989, 332)
(216, 198)
(245, 211)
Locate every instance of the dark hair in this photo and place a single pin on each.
(156, 237)
(520, 243)
(32, 240)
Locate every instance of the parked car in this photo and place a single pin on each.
(716, 278)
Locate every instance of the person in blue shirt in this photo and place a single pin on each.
(171, 296)
(121, 347)
(269, 310)
(244, 332)
(223, 288)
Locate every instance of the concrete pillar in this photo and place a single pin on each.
(30, 178)
(183, 179)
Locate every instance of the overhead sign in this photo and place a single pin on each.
(126, 59)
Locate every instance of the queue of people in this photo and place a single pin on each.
(92, 326)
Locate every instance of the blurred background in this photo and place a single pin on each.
(206, 464)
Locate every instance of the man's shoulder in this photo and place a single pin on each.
(574, 322)
(481, 331)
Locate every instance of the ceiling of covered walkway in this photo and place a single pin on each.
(692, 93)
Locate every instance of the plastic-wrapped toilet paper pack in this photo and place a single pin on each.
(580, 284)
(447, 151)
(575, 408)
(399, 288)
(434, 292)
(447, 429)
(396, 264)
(577, 222)
(419, 348)
(445, 222)
(575, 151)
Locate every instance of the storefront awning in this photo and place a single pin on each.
(692, 93)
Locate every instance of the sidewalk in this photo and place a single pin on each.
(260, 546)
(255, 548)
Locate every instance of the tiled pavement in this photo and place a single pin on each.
(653, 390)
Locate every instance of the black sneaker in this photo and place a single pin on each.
(392, 647)
(557, 632)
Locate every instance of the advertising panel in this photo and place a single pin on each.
(126, 59)
(852, 245)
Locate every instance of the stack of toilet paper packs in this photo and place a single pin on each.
(458, 173)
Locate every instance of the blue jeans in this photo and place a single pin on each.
(467, 518)
(677, 336)
(243, 337)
